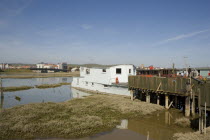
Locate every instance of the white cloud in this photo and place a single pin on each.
(182, 36)
(86, 26)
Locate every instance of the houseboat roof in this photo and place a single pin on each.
(104, 66)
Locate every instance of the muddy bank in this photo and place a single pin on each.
(192, 135)
(52, 85)
(7, 89)
(73, 119)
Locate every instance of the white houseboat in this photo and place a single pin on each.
(109, 80)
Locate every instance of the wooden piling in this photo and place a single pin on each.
(205, 119)
(166, 101)
(193, 105)
(147, 97)
(187, 106)
(131, 93)
(158, 99)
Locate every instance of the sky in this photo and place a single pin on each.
(148, 32)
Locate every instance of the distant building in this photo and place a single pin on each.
(205, 72)
(62, 66)
(4, 66)
(44, 67)
(40, 65)
(202, 72)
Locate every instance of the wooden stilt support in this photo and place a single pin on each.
(187, 106)
(200, 112)
(193, 105)
(147, 97)
(171, 104)
(200, 128)
(166, 101)
(131, 92)
(158, 99)
(205, 119)
(201, 122)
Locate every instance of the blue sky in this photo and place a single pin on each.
(137, 32)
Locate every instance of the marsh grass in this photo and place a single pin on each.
(51, 85)
(192, 135)
(183, 122)
(7, 89)
(71, 119)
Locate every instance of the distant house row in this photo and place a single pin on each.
(52, 66)
(10, 66)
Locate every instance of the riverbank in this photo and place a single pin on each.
(193, 135)
(71, 119)
(25, 75)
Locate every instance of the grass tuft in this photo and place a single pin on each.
(7, 89)
(192, 135)
(52, 85)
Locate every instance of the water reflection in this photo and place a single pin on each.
(123, 125)
(59, 94)
(159, 126)
(35, 81)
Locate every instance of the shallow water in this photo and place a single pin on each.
(35, 95)
(10, 82)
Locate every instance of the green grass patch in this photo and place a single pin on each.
(72, 119)
(7, 89)
(52, 85)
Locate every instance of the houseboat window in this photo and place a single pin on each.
(118, 71)
(92, 84)
(105, 85)
(87, 71)
(103, 70)
(129, 70)
(86, 83)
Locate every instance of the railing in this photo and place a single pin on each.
(175, 85)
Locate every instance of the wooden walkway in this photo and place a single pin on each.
(195, 93)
